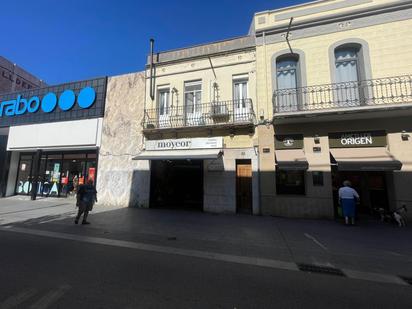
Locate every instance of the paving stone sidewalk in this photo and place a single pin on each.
(371, 246)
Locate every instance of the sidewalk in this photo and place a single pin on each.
(22, 209)
(371, 246)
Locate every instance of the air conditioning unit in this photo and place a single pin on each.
(219, 110)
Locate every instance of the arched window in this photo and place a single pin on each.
(347, 64)
(287, 82)
(348, 74)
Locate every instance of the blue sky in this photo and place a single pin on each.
(61, 41)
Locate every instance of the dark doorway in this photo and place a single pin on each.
(371, 187)
(176, 184)
(244, 186)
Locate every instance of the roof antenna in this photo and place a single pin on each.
(287, 35)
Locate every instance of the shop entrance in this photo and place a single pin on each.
(370, 185)
(176, 184)
(59, 173)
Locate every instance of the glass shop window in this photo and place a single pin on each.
(290, 182)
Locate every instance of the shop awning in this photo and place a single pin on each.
(291, 159)
(179, 154)
(365, 159)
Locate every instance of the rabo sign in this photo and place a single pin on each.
(48, 103)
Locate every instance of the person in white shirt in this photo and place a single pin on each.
(347, 199)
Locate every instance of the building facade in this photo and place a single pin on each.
(199, 127)
(335, 78)
(53, 136)
(269, 123)
(14, 78)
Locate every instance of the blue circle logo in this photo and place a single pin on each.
(86, 97)
(49, 102)
(66, 100)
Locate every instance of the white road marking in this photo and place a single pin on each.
(316, 241)
(51, 297)
(376, 277)
(15, 300)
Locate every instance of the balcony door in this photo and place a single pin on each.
(193, 107)
(347, 77)
(240, 102)
(164, 108)
(287, 84)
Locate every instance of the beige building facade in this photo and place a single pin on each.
(334, 80)
(272, 122)
(199, 127)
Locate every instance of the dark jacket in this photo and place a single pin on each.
(86, 196)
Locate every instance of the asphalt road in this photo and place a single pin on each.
(43, 272)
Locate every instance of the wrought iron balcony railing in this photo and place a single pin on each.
(374, 92)
(197, 115)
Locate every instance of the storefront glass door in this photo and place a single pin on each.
(51, 179)
(24, 179)
(59, 174)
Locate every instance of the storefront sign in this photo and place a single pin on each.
(21, 105)
(71, 101)
(15, 79)
(292, 141)
(357, 139)
(185, 143)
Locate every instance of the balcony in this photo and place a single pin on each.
(340, 98)
(214, 114)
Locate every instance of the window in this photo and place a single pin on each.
(347, 75)
(193, 97)
(163, 99)
(240, 102)
(346, 64)
(287, 81)
(59, 174)
(164, 107)
(290, 182)
(317, 178)
(240, 90)
(193, 107)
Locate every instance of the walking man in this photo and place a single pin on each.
(347, 199)
(86, 197)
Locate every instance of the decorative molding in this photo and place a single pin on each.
(342, 23)
(320, 9)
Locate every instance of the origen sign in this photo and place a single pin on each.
(357, 139)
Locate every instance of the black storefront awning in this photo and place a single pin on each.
(365, 159)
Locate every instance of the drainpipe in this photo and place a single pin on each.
(151, 69)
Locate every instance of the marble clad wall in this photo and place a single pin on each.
(120, 180)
